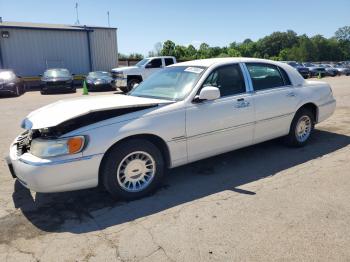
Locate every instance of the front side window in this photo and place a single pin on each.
(155, 63)
(228, 79)
(171, 83)
(265, 76)
(168, 61)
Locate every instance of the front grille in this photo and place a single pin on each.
(56, 83)
(23, 143)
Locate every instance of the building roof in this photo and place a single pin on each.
(27, 25)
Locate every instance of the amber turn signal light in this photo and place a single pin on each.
(75, 144)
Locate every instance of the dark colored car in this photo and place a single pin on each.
(330, 70)
(10, 83)
(100, 81)
(304, 71)
(315, 70)
(57, 80)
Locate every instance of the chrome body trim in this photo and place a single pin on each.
(57, 162)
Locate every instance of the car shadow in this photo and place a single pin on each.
(93, 209)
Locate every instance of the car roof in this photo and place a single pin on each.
(7, 70)
(56, 69)
(295, 77)
(152, 57)
(217, 61)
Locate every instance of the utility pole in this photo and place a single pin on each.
(76, 10)
(109, 25)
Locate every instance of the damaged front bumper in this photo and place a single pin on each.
(55, 174)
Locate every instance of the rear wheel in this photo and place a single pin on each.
(132, 169)
(301, 128)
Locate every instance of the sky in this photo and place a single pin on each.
(143, 23)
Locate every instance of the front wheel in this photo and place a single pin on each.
(301, 128)
(131, 84)
(132, 169)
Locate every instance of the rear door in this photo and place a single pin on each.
(168, 61)
(275, 100)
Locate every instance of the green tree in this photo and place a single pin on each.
(191, 53)
(343, 33)
(168, 48)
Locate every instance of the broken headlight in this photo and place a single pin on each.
(57, 147)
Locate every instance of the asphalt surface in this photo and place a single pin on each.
(266, 202)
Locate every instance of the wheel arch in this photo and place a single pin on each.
(138, 77)
(312, 107)
(156, 140)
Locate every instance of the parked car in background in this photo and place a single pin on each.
(330, 70)
(343, 70)
(127, 77)
(10, 83)
(186, 112)
(100, 81)
(315, 70)
(304, 71)
(57, 80)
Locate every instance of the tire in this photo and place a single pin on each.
(18, 92)
(43, 92)
(123, 163)
(292, 139)
(131, 84)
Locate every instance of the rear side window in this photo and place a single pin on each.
(155, 63)
(228, 79)
(168, 61)
(265, 76)
(285, 77)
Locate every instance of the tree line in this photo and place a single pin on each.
(276, 46)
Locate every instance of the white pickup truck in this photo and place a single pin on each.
(127, 77)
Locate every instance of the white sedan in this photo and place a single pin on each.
(186, 112)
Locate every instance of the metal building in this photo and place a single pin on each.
(30, 48)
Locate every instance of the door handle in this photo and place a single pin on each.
(241, 103)
(291, 94)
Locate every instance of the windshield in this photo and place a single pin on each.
(142, 62)
(57, 73)
(294, 64)
(172, 83)
(308, 64)
(7, 75)
(99, 74)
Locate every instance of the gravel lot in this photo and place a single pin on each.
(262, 203)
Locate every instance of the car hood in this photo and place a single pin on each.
(301, 68)
(108, 78)
(127, 69)
(64, 110)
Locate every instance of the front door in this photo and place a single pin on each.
(152, 66)
(227, 123)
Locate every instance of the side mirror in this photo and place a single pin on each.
(208, 93)
(149, 65)
(73, 74)
(136, 85)
(40, 75)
